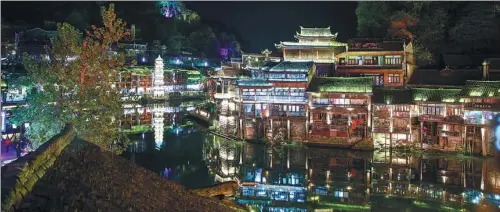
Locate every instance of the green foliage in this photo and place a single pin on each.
(79, 91)
(477, 27)
(434, 27)
(373, 18)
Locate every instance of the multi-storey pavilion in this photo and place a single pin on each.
(314, 44)
(276, 102)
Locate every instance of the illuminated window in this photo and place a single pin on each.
(394, 78)
(392, 60)
(352, 60)
(371, 60)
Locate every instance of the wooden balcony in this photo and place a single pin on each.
(482, 106)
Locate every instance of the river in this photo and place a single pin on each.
(300, 178)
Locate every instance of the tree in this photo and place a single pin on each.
(202, 39)
(373, 18)
(77, 82)
(477, 28)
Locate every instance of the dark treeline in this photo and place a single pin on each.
(165, 23)
(436, 28)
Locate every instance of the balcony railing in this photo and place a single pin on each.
(275, 99)
(388, 66)
(473, 105)
(339, 105)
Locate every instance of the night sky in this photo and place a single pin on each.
(262, 24)
(257, 25)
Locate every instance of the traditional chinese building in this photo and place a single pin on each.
(440, 117)
(339, 109)
(392, 109)
(314, 44)
(481, 108)
(252, 60)
(276, 102)
(223, 92)
(175, 82)
(381, 59)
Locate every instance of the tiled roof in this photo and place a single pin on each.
(375, 45)
(310, 44)
(315, 32)
(288, 66)
(494, 63)
(341, 84)
(391, 96)
(487, 89)
(254, 83)
(458, 61)
(436, 77)
(436, 95)
(86, 178)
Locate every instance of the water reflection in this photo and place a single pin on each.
(297, 178)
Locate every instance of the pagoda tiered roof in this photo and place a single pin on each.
(288, 66)
(484, 89)
(324, 39)
(316, 32)
(318, 44)
(341, 85)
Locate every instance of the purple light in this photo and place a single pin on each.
(143, 59)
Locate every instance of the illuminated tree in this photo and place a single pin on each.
(77, 82)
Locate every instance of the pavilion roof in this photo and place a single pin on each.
(341, 84)
(448, 95)
(289, 66)
(321, 44)
(485, 89)
(316, 32)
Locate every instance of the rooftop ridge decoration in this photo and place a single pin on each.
(316, 32)
(436, 95)
(483, 89)
(342, 85)
(289, 66)
(324, 38)
(447, 71)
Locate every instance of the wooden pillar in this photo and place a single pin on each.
(484, 141)
(300, 54)
(421, 135)
(288, 128)
(349, 124)
(284, 53)
(317, 54)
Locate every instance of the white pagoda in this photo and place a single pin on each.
(158, 123)
(158, 81)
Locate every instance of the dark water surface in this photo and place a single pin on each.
(300, 178)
